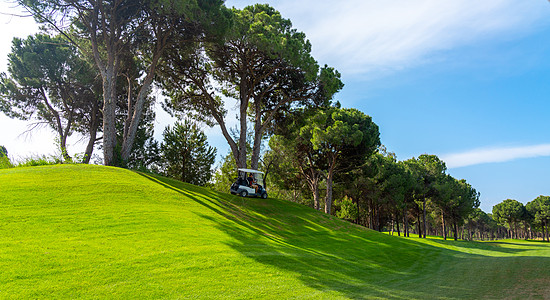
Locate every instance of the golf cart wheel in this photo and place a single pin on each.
(264, 196)
(243, 193)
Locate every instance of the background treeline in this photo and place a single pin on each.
(92, 69)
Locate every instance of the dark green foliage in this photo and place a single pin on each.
(296, 164)
(455, 201)
(348, 209)
(50, 83)
(109, 32)
(539, 208)
(225, 174)
(186, 155)
(146, 157)
(509, 212)
(261, 63)
(4, 159)
(345, 138)
(283, 165)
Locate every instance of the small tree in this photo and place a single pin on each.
(186, 155)
(348, 210)
(4, 160)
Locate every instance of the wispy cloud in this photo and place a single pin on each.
(366, 36)
(494, 155)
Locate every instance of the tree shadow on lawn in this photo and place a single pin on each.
(498, 247)
(335, 257)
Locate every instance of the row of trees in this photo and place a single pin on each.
(98, 61)
(100, 66)
(524, 221)
(93, 69)
(373, 188)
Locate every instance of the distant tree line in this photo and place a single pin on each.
(370, 187)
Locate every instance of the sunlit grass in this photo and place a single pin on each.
(79, 231)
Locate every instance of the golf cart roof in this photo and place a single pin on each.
(251, 171)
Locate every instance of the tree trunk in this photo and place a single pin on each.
(424, 216)
(316, 202)
(397, 223)
(371, 214)
(456, 230)
(328, 200)
(544, 231)
(312, 178)
(244, 100)
(405, 223)
(444, 227)
(258, 132)
(129, 138)
(63, 146)
(109, 118)
(94, 125)
(419, 225)
(378, 223)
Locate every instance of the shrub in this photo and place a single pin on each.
(5, 162)
(39, 161)
(348, 210)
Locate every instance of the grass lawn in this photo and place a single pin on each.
(83, 231)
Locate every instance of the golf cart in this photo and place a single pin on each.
(244, 189)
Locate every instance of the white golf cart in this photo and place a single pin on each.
(244, 189)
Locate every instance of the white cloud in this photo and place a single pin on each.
(494, 155)
(360, 36)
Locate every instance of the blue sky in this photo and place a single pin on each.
(465, 80)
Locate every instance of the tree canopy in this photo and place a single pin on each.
(186, 155)
(261, 63)
(344, 137)
(107, 31)
(49, 81)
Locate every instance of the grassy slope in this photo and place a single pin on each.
(90, 231)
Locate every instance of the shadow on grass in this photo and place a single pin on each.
(493, 246)
(338, 258)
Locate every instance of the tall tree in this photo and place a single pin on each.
(107, 30)
(262, 63)
(298, 151)
(50, 82)
(427, 169)
(509, 212)
(540, 209)
(345, 138)
(459, 201)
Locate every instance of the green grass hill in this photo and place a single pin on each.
(84, 231)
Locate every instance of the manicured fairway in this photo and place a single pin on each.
(78, 231)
